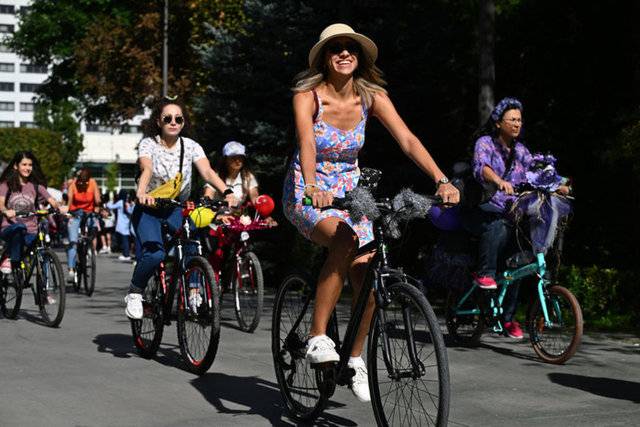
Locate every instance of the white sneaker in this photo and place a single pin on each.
(359, 382)
(73, 277)
(195, 301)
(321, 349)
(134, 306)
(124, 258)
(103, 250)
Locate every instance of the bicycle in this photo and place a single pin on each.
(86, 255)
(554, 317)
(406, 356)
(237, 268)
(198, 332)
(48, 287)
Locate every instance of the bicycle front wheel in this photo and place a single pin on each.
(558, 341)
(248, 287)
(199, 322)
(51, 288)
(407, 361)
(147, 332)
(291, 324)
(11, 293)
(88, 275)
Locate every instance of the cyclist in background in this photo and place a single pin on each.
(159, 154)
(123, 221)
(84, 198)
(235, 171)
(22, 188)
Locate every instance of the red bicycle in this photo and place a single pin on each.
(236, 267)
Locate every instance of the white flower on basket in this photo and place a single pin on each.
(245, 220)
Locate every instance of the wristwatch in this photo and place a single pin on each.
(227, 192)
(443, 180)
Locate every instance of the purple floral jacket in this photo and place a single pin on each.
(489, 152)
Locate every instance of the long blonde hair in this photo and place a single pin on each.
(367, 78)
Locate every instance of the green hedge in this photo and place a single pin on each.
(45, 144)
(609, 297)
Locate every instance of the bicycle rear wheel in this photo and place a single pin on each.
(11, 293)
(88, 276)
(291, 323)
(51, 288)
(248, 287)
(80, 266)
(199, 331)
(558, 342)
(147, 332)
(404, 393)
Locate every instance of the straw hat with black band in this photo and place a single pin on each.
(333, 31)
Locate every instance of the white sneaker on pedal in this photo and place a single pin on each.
(321, 349)
(195, 301)
(359, 382)
(134, 306)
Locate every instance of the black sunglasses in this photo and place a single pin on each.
(339, 47)
(168, 119)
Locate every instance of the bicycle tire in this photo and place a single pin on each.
(248, 291)
(199, 333)
(147, 332)
(558, 343)
(11, 294)
(89, 271)
(297, 380)
(80, 249)
(467, 329)
(51, 288)
(427, 401)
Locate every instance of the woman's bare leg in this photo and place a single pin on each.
(357, 276)
(342, 243)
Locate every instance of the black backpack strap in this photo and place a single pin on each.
(509, 163)
(181, 154)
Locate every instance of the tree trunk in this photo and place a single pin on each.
(487, 70)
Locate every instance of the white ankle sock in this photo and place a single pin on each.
(353, 361)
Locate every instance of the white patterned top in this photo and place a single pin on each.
(166, 162)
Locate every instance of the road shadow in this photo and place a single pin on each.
(121, 346)
(605, 387)
(260, 397)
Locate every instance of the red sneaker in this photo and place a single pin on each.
(485, 282)
(513, 330)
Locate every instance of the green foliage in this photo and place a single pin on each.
(44, 144)
(608, 297)
(112, 170)
(61, 117)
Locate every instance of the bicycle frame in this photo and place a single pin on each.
(509, 276)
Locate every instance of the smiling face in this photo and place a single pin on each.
(24, 168)
(171, 121)
(510, 126)
(341, 56)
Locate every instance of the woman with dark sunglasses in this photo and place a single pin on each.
(333, 100)
(159, 154)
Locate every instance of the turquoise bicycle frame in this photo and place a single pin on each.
(538, 268)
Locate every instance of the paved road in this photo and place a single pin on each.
(86, 373)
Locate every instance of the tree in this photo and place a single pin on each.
(112, 171)
(60, 117)
(486, 68)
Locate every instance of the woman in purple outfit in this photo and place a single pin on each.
(501, 158)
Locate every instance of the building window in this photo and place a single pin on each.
(27, 106)
(29, 87)
(7, 106)
(6, 28)
(4, 48)
(94, 127)
(7, 67)
(6, 124)
(132, 129)
(28, 125)
(7, 9)
(7, 87)
(33, 68)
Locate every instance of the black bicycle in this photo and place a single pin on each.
(86, 255)
(406, 356)
(48, 287)
(178, 278)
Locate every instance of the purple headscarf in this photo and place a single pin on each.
(505, 104)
